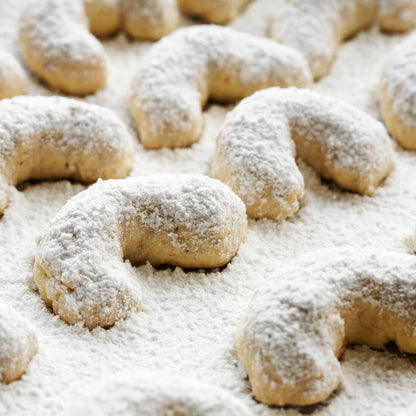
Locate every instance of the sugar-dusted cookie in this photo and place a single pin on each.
(213, 11)
(18, 344)
(180, 220)
(56, 137)
(57, 45)
(316, 28)
(397, 94)
(297, 327)
(12, 78)
(156, 393)
(193, 64)
(260, 138)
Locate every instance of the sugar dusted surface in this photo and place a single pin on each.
(190, 320)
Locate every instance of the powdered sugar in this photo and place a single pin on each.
(399, 79)
(16, 336)
(190, 320)
(156, 393)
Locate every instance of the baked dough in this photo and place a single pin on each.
(297, 327)
(57, 46)
(12, 78)
(213, 11)
(397, 94)
(157, 393)
(316, 28)
(56, 137)
(260, 138)
(180, 220)
(193, 64)
(18, 344)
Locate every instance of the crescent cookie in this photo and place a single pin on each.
(12, 78)
(157, 394)
(397, 95)
(185, 221)
(18, 345)
(193, 64)
(259, 140)
(296, 328)
(57, 45)
(316, 28)
(56, 137)
(213, 11)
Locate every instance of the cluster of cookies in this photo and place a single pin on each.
(293, 334)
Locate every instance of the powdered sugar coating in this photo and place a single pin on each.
(316, 28)
(12, 77)
(178, 220)
(186, 68)
(297, 327)
(56, 137)
(258, 142)
(397, 93)
(156, 394)
(18, 344)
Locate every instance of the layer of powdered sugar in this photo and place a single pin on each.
(190, 320)
(176, 74)
(79, 126)
(290, 320)
(59, 29)
(15, 335)
(257, 138)
(399, 78)
(157, 393)
(9, 67)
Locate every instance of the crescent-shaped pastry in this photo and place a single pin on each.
(18, 345)
(57, 45)
(56, 137)
(193, 64)
(297, 327)
(317, 28)
(185, 221)
(260, 138)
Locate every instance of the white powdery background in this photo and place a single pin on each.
(190, 319)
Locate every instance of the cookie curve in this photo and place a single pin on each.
(192, 64)
(319, 37)
(181, 220)
(213, 11)
(157, 393)
(396, 95)
(13, 79)
(296, 329)
(57, 138)
(255, 154)
(18, 345)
